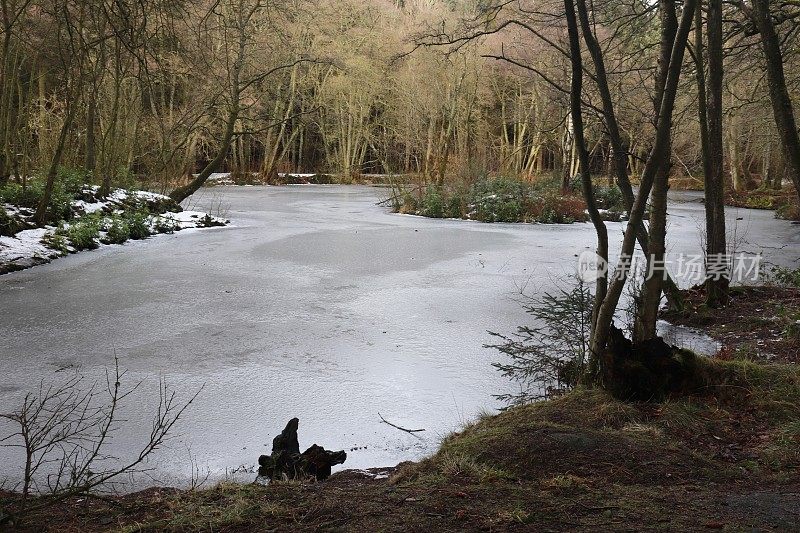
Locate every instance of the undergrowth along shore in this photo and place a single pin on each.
(506, 200)
(725, 456)
(78, 218)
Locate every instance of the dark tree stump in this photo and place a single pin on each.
(649, 370)
(317, 461)
(286, 461)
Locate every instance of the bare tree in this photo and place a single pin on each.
(657, 159)
(234, 23)
(63, 430)
(717, 284)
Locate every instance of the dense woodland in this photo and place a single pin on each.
(158, 90)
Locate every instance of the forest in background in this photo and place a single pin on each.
(155, 91)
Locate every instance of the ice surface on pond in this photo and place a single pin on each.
(689, 338)
(317, 304)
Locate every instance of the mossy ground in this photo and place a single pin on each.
(725, 457)
(761, 323)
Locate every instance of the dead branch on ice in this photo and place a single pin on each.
(398, 427)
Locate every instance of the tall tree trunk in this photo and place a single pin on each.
(567, 151)
(91, 143)
(647, 314)
(700, 77)
(579, 143)
(779, 95)
(734, 159)
(618, 148)
(55, 161)
(655, 160)
(7, 100)
(716, 247)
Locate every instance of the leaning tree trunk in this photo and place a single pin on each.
(619, 149)
(655, 160)
(182, 193)
(52, 172)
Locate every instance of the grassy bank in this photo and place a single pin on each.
(505, 200)
(726, 457)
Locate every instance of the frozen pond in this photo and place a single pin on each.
(316, 303)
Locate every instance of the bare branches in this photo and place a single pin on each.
(62, 430)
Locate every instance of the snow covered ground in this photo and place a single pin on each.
(25, 249)
(36, 246)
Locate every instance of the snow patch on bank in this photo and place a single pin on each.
(25, 249)
(193, 219)
(31, 247)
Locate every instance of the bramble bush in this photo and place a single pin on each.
(138, 227)
(83, 233)
(117, 231)
(506, 200)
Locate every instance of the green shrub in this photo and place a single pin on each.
(83, 233)
(552, 183)
(118, 231)
(498, 200)
(208, 222)
(499, 186)
(786, 277)
(59, 207)
(757, 201)
(609, 197)
(57, 241)
(137, 224)
(72, 179)
(433, 203)
(509, 211)
(455, 205)
(9, 226)
(126, 179)
(165, 225)
(793, 330)
(28, 196)
(788, 211)
(407, 203)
